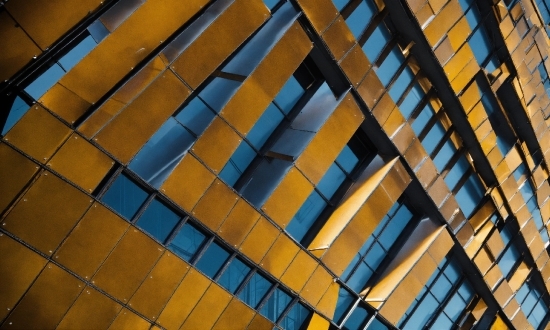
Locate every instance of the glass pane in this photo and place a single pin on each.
(395, 227)
(444, 155)
(538, 313)
(340, 4)
(434, 136)
(98, 31)
(442, 322)
(360, 277)
(69, 60)
(469, 195)
(400, 84)
(466, 291)
(375, 255)
(295, 317)
(270, 3)
(480, 44)
(18, 109)
(376, 42)
(457, 171)
(347, 159)
(422, 313)
(289, 95)
(238, 163)
(508, 260)
(441, 288)
(196, 116)
(265, 126)
(275, 305)
(345, 301)
(454, 307)
(376, 324)
(422, 120)
(389, 67)
(212, 260)
(332, 179)
(411, 100)
(360, 17)
(234, 275)
(254, 291)
(158, 220)
(306, 216)
(45, 81)
(452, 271)
(187, 242)
(124, 196)
(160, 155)
(218, 92)
(357, 319)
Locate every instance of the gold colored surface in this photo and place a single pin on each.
(299, 271)
(128, 264)
(259, 240)
(81, 162)
(316, 286)
(138, 83)
(15, 172)
(483, 261)
(318, 323)
(238, 223)
(279, 256)
(458, 61)
(217, 144)
(441, 246)
(442, 22)
(327, 144)
(38, 134)
(426, 173)
(394, 122)
(459, 33)
(143, 117)
(46, 213)
(288, 197)
(47, 301)
(424, 14)
(236, 316)
(127, 320)
(123, 49)
(184, 299)
(65, 103)
(219, 40)
(495, 244)
(327, 304)
(220, 195)
(493, 276)
(18, 269)
(355, 65)
(415, 155)
(188, 182)
(99, 118)
(519, 276)
(370, 90)
(208, 309)
(404, 137)
(470, 97)
(438, 191)
(424, 268)
(464, 77)
(92, 310)
(320, 12)
(437, 4)
(477, 116)
(338, 38)
(503, 293)
(260, 323)
(21, 48)
(444, 51)
(511, 308)
(89, 243)
(158, 287)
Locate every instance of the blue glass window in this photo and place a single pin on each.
(75, 55)
(236, 165)
(306, 216)
(457, 172)
(45, 81)
(187, 242)
(255, 290)
(376, 42)
(360, 17)
(376, 324)
(125, 197)
(444, 155)
(98, 31)
(196, 116)
(271, 3)
(332, 179)
(357, 319)
(340, 4)
(233, 275)
(347, 159)
(532, 303)
(289, 95)
(275, 305)
(212, 259)
(295, 317)
(470, 195)
(158, 220)
(265, 126)
(434, 136)
(422, 119)
(411, 101)
(389, 67)
(400, 84)
(345, 301)
(218, 92)
(18, 109)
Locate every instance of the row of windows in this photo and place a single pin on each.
(352, 313)
(202, 250)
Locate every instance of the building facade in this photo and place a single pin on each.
(292, 164)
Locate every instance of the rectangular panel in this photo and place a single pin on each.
(15, 172)
(339, 38)
(320, 12)
(129, 320)
(65, 103)
(47, 212)
(370, 90)
(259, 240)
(327, 304)
(238, 223)
(236, 316)
(355, 65)
(299, 271)
(141, 119)
(458, 61)
(279, 256)
(220, 195)
(317, 285)
(209, 308)
(443, 22)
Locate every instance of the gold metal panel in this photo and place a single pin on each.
(427, 173)
(482, 215)
(65, 103)
(47, 301)
(38, 134)
(441, 246)
(299, 271)
(370, 90)
(444, 51)
(46, 213)
(470, 97)
(449, 209)
(424, 14)
(327, 304)
(18, 269)
(459, 33)
(219, 40)
(21, 48)
(257, 92)
(288, 197)
(236, 316)
(279, 256)
(259, 240)
(127, 320)
(477, 116)
(394, 122)
(140, 81)
(217, 144)
(400, 299)
(188, 182)
(260, 323)
(519, 276)
(218, 194)
(415, 5)
(415, 155)
(318, 323)
(424, 268)
(495, 243)
(158, 287)
(92, 310)
(184, 300)
(238, 223)
(15, 172)
(461, 58)
(120, 51)
(45, 22)
(339, 38)
(316, 286)
(437, 4)
(99, 118)
(510, 309)
(320, 13)
(128, 264)
(89, 243)
(438, 191)
(503, 293)
(355, 65)
(209, 308)
(483, 261)
(403, 138)
(81, 162)
(143, 117)
(442, 22)
(493, 276)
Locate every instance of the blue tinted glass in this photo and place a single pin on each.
(158, 158)
(473, 17)
(275, 305)
(538, 314)
(158, 220)
(124, 196)
(347, 159)
(433, 137)
(400, 84)
(375, 255)
(45, 81)
(218, 92)
(230, 174)
(395, 227)
(340, 4)
(442, 322)
(187, 242)
(255, 290)
(452, 272)
(520, 173)
(389, 67)
(234, 275)
(454, 307)
(212, 260)
(331, 181)
(357, 319)
(529, 301)
(444, 155)
(295, 317)
(306, 216)
(289, 95)
(69, 60)
(360, 277)
(98, 31)
(465, 4)
(18, 109)
(456, 173)
(527, 192)
(466, 291)
(376, 324)
(469, 195)
(240, 160)
(345, 300)
(270, 3)
(480, 44)
(422, 313)
(196, 116)
(265, 126)
(376, 42)
(508, 260)
(360, 17)
(441, 288)
(411, 100)
(422, 120)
